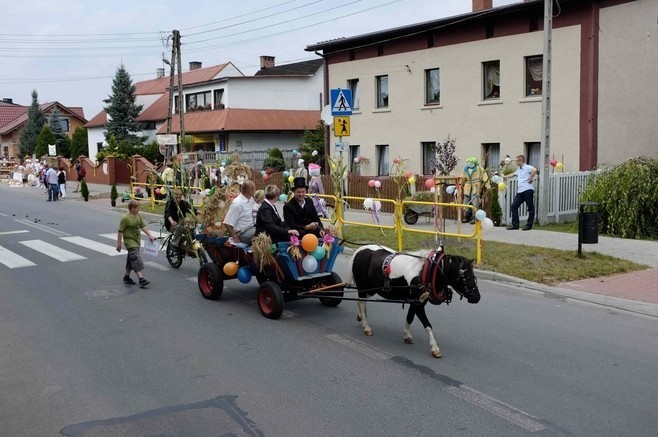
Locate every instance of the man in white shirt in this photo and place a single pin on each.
(238, 221)
(525, 193)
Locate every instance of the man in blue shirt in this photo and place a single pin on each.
(525, 193)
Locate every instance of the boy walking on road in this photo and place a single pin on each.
(128, 231)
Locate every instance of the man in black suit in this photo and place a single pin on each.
(300, 213)
(268, 219)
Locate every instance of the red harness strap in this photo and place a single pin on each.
(430, 276)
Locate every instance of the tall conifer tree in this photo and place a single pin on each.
(123, 109)
(62, 141)
(35, 121)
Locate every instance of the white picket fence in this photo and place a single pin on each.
(564, 193)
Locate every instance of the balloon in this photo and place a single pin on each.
(299, 155)
(501, 186)
(408, 174)
(309, 242)
(450, 189)
(263, 172)
(559, 166)
(231, 268)
(283, 198)
(378, 184)
(314, 153)
(244, 275)
(429, 183)
(553, 162)
(294, 152)
(266, 177)
(286, 174)
(396, 160)
(480, 214)
(412, 180)
(432, 190)
(371, 183)
(319, 253)
(356, 160)
(291, 178)
(223, 163)
(507, 160)
(487, 224)
(309, 264)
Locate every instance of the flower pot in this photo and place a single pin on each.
(114, 202)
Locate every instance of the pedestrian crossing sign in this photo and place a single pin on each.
(341, 102)
(342, 126)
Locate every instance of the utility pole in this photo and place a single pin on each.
(546, 114)
(172, 72)
(181, 105)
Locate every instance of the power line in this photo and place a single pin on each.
(239, 16)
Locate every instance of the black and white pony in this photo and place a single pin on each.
(416, 279)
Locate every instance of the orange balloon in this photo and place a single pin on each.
(231, 268)
(309, 242)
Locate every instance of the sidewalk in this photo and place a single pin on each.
(630, 291)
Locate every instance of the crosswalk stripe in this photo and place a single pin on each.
(158, 266)
(93, 245)
(14, 232)
(13, 260)
(52, 251)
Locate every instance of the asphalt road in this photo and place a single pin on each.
(83, 355)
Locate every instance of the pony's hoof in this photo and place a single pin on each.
(368, 333)
(358, 317)
(409, 340)
(436, 354)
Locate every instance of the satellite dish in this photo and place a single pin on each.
(326, 116)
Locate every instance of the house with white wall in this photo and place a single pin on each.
(477, 77)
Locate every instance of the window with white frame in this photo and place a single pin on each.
(355, 151)
(491, 156)
(382, 91)
(432, 87)
(534, 73)
(382, 160)
(219, 98)
(353, 85)
(533, 154)
(491, 76)
(427, 149)
(197, 101)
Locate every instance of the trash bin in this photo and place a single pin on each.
(588, 223)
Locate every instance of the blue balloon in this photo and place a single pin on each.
(283, 198)
(319, 253)
(286, 174)
(244, 275)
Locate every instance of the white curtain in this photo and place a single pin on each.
(536, 68)
(492, 71)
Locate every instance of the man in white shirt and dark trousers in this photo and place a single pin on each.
(239, 221)
(525, 193)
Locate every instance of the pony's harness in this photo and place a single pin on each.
(429, 277)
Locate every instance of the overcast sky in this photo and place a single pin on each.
(68, 50)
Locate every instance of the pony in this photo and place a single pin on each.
(413, 279)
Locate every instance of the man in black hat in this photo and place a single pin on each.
(299, 213)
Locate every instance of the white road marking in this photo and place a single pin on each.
(158, 266)
(42, 227)
(193, 279)
(13, 260)
(14, 232)
(52, 251)
(93, 245)
(360, 346)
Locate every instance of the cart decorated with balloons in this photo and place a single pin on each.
(299, 269)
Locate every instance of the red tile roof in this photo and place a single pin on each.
(22, 118)
(238, 119)
(157, 111)
(98, 120)
(10, 112)
(160, 85)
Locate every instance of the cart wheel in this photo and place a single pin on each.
(410, 217)
(211, 282)
(174, 257)
(270, 300)
(333, 301)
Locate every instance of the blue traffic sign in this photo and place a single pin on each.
(341, 102)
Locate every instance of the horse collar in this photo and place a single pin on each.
(430, 278)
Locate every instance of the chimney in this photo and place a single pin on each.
(482, 5)
(7, 100)
(195, 65)
(159, 73)
(266, 62)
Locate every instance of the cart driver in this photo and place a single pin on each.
(175, 212)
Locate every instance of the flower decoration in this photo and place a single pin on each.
(327, 241)
(294, 251)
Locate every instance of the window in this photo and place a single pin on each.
(219, 98)
(532, 154)
(149, 125)
(432, 87)
(427, 149)
(534, 73)
(355, 151)
(197, 101)
(382, 91)
(176, 104)
(491, 73)
(64, 124)
(353, 84)
(491, 156)
(382, 160)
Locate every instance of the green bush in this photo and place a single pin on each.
(84, 190)
(495, 211)
(113, 192)
(274, 160)
(627, 195)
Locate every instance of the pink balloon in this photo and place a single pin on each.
(157, 191)
(266, 177)
(378, 184)
(429, 183)
(371, 183)
(553, 162)
(408, 174)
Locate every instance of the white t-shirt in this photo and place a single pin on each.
(239, 213)
(523, 173)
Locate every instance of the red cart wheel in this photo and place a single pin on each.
(270, 300)
(211, 281)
